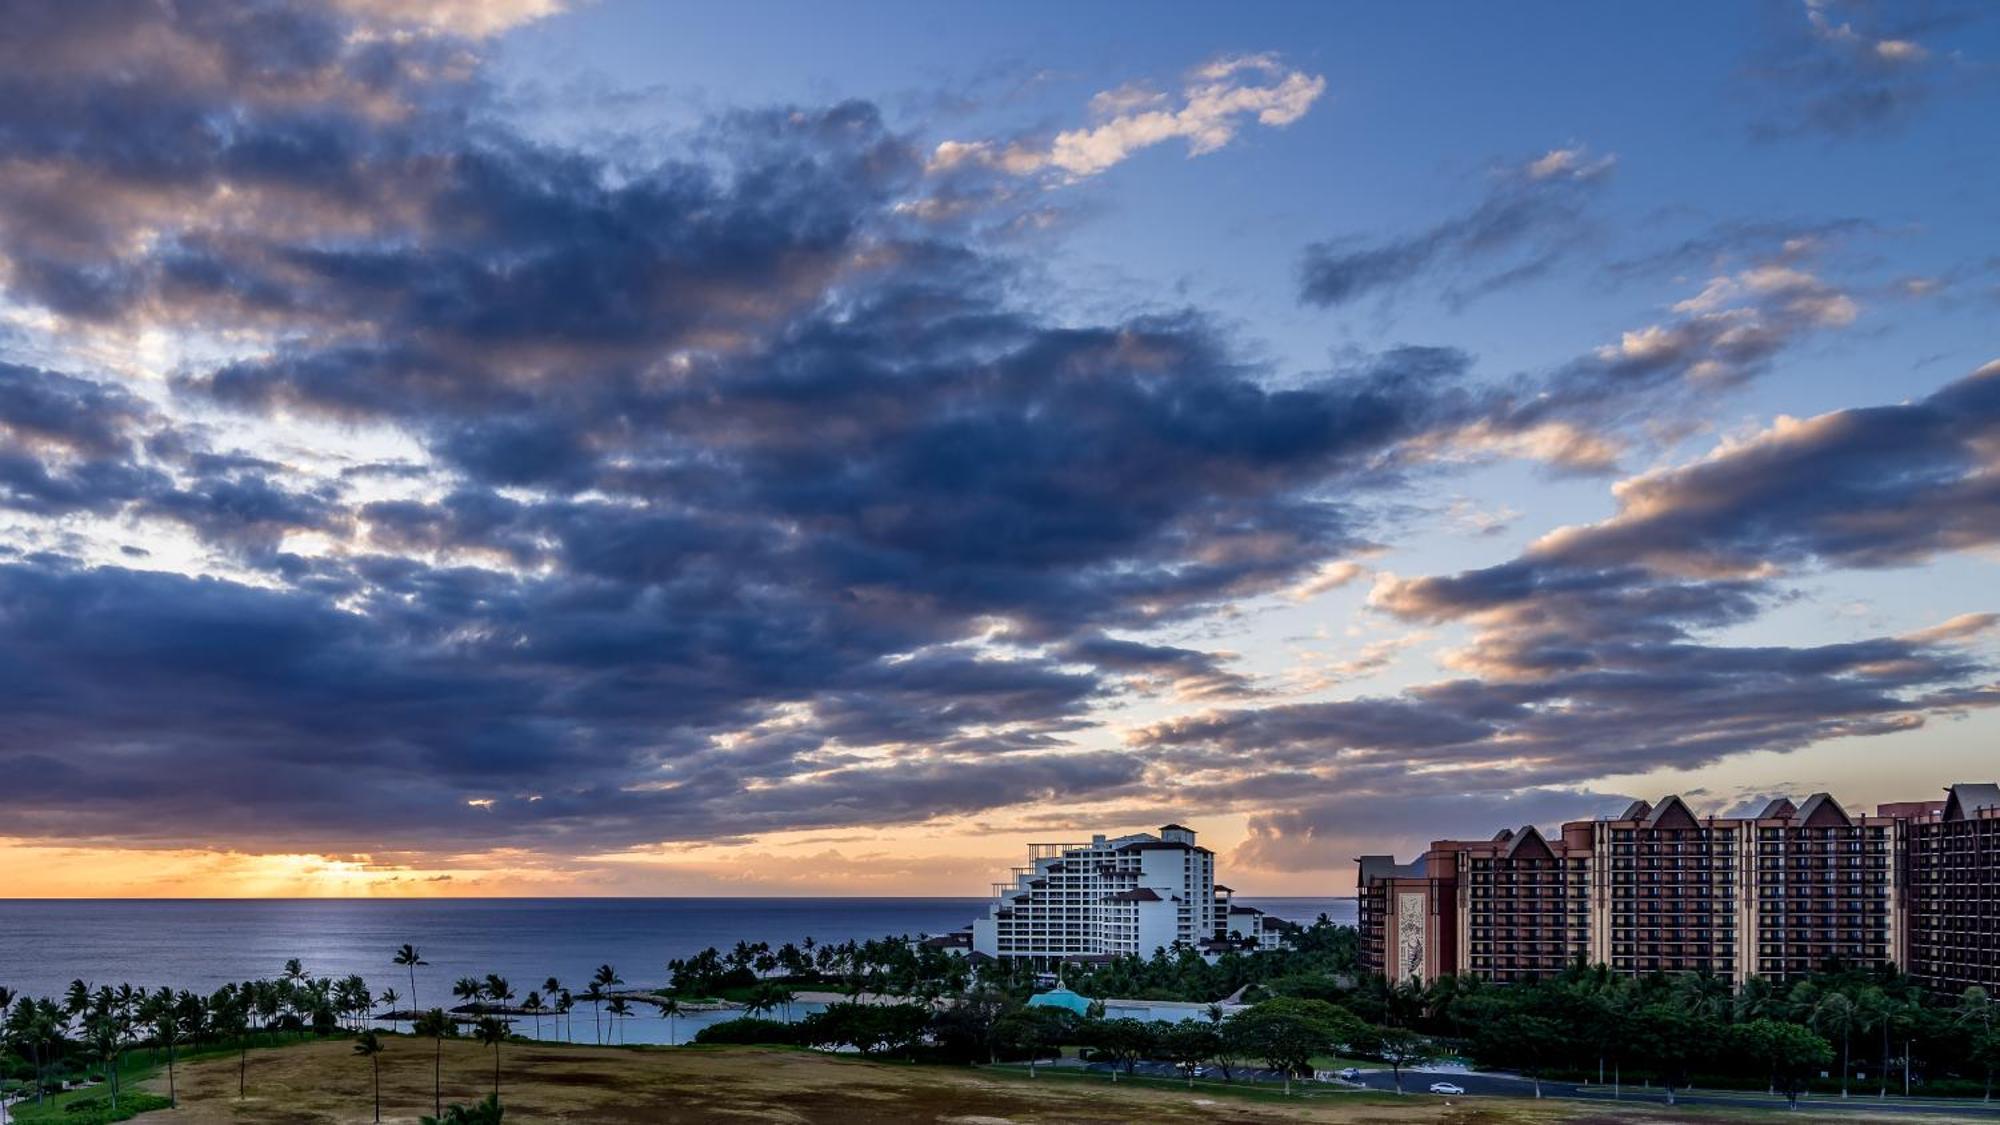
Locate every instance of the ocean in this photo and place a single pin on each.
(201, 944)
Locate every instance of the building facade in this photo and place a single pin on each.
(1954, 915)
(1659, 889)
(1112, 897)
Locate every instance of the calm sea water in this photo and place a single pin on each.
(200, 944)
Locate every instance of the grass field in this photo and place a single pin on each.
(324, 1083)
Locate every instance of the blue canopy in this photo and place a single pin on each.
(1060, 998)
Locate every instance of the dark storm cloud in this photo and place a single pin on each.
(1588, 656)
(735, 461)
(746, 501)
(1528, 220)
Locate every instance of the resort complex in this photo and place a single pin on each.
(1778, 895)
(1111, 897)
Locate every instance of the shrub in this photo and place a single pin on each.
(488, 1112)
(91, 1110)
(746, 1030)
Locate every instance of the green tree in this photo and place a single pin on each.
(1787, 1052)
(1401, 1048)
(1190, 1043)
(1287, 1032)
(368, 1044)
(1670, 1038)
(1524, 1041)
(1125, 1041)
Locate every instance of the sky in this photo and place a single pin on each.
(524, 447)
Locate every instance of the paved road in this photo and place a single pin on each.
(1416, 1083)
(1508, 1086)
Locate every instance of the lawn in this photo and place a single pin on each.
(323, 1083)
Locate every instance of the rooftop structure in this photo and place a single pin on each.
(1659, 888)
(1115, 896)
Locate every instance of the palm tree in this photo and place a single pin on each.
(621, 1010)
(533, 1006)
(232, 1020)
(605, 979)
(106, 1038)
(167, 1033)
(388, 999)
(492, 1033)
(670, 1009)
(369, 1045)
(595, 994)
(437, 1025)
(408, 956)
(470, 990)
(499, 991)
(1975, 1006)
(1836, 1012)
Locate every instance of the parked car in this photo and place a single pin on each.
(1446, 1088)
(1352, 1074)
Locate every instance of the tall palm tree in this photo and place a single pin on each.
(369, 1045)
(232, 1020)
(437, 1025)
(619, 1010)
(492, 1033)
(595, 994)
(605, 979)
(388, 1000)
(1836, 1012)
(670, 1009)
(1977, 1008)
(167, 1033)
(533, 1006)
(566, 1009)
(408, 956)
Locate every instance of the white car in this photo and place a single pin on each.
(1446, 1088)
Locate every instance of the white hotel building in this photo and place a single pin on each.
(1128, 895)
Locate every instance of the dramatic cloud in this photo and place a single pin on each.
(741, 500)
(1531, 216)
(473, 491)
(1214, 104)
(1588, 657)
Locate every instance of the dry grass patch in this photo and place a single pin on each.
(326, 1084)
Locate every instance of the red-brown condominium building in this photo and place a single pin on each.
(1658, 888)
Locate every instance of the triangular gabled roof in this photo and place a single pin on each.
(1504, 835)
(1672, 812)
(1822, 811)
(1637, 810)
(1528, 844)
(1780, 809)
(1966, 800)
